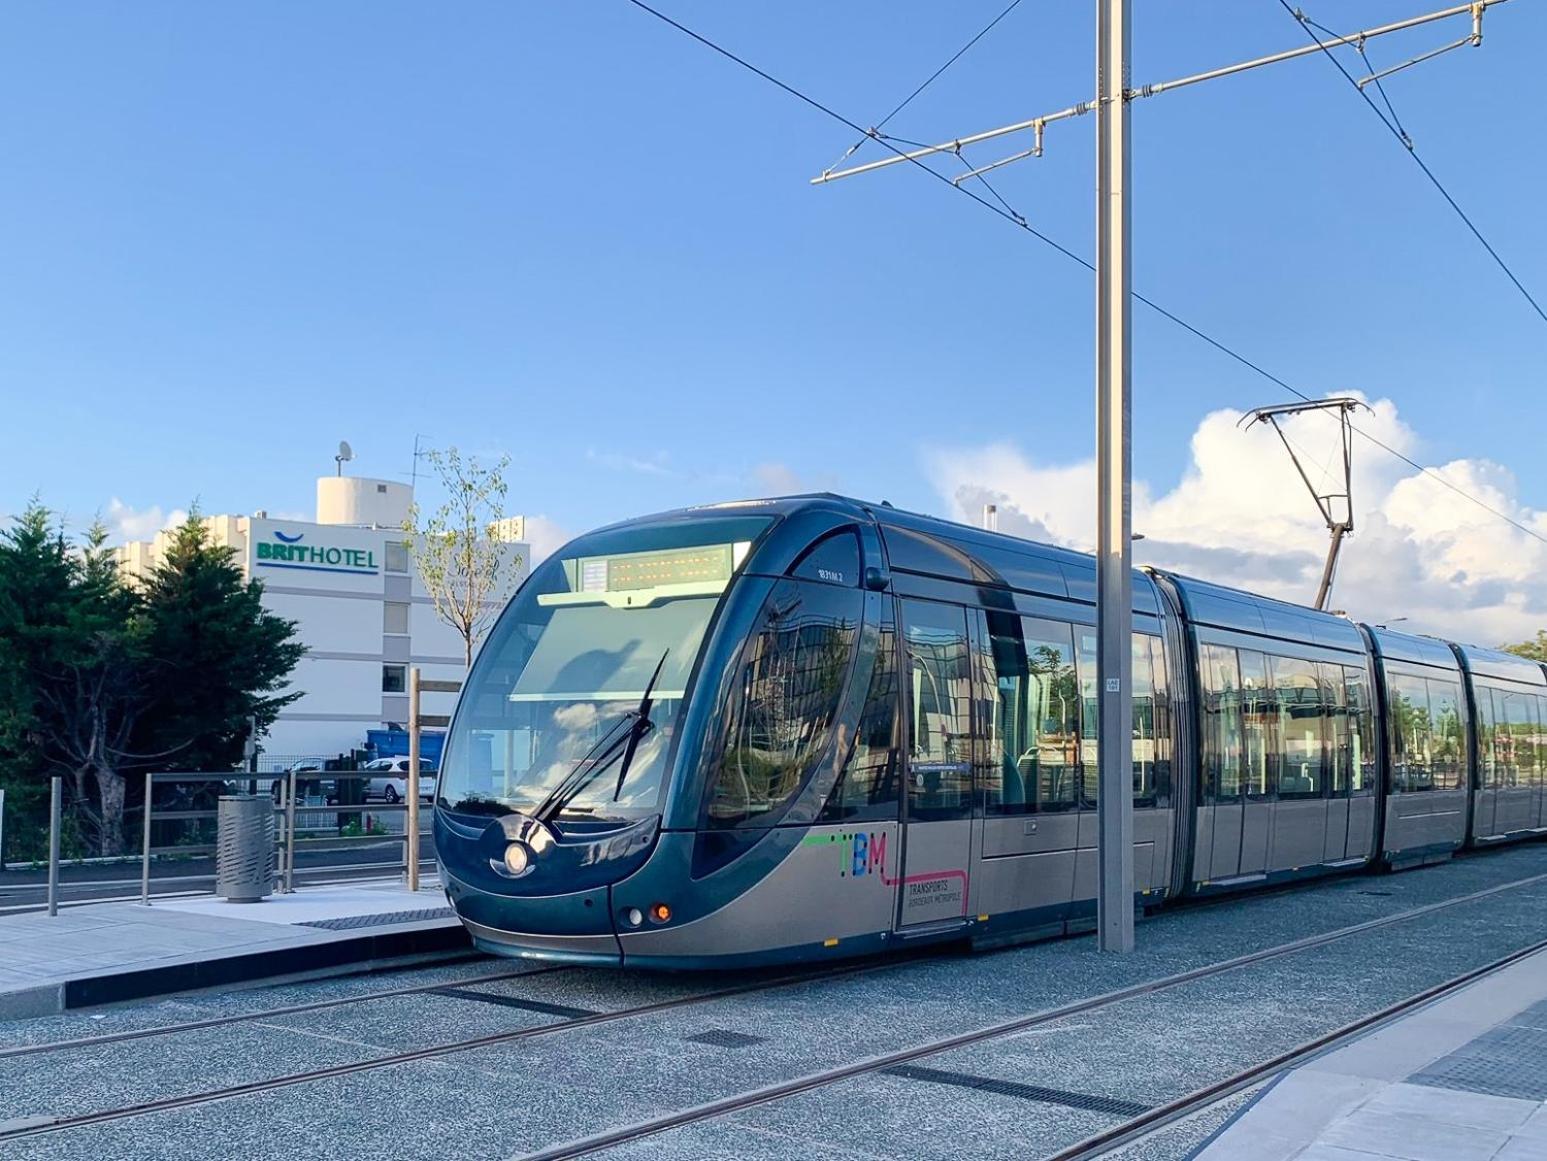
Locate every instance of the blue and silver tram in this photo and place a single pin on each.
(808, 728)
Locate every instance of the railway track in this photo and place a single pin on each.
(39, 1125)
(1199, 1100)
(595, 1143)
(84, 1042)
(1130, 1129)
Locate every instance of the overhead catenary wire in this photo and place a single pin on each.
(933, 77)
(1025, 226)
(1407, 143)
(1374, 77)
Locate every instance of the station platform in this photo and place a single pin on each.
(1462, 1079)
(109, 952)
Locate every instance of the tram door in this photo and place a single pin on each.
(937, 839)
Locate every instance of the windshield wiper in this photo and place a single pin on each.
(627, 731)
(587, 767)
(642, 726)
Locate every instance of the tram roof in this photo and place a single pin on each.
(1413, 648)
(1062, 572)
(1504, 666)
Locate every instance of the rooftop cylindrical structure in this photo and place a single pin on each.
(362, 502)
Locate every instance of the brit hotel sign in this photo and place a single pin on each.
(286, 551)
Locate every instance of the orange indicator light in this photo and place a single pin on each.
(660, 912)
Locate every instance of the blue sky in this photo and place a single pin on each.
(233, 236)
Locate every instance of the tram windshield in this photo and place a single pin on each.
(576, 651)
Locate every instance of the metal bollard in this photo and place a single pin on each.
(145, 848)
(55, 800)
(411, 825)
(290, 834)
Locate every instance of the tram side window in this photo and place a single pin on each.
(1506, 742)
(867, 788)
(1412, 734)
(833, 561)
(1337, 724)
(781, 707)
(1541, 741)
(1522, 738)
(1162, 686)
(1361, 731)
(1035, 729)
(1144, 715)
(1300, 715)
(1151, 720)
(1221, 720)
(1528, 749)
(1089, 730)
(938, 679)
(1259, 758)
(1445, 705)
(1487, 739)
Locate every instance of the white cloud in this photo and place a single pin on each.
(545, 537)
(127, 523)
(1241, 515)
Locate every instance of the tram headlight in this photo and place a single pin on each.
(517, 859)
(634, 916)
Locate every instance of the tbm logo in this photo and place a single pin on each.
(869, 851)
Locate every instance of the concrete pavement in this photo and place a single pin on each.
(1463, 1079)
(108, 952)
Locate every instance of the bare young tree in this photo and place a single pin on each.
(467, 572)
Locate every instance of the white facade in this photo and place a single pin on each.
(360, 607)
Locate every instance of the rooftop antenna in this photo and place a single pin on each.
(345, 454)
(1336, 508)
(413, 478)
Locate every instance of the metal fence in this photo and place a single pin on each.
(320, 803)
(315, 811)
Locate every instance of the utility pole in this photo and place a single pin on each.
(1114, 576)
(1114, 571)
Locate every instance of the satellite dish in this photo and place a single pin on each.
(345, 452)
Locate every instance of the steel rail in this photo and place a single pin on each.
(1197, 1101)
(589, 1145)
(16, 1050)
(44, 1124)
(585, 1146)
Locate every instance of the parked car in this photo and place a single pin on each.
(389, 780)
(306, 785)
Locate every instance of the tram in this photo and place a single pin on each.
(807, 728)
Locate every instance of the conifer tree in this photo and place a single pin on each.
(220, 657)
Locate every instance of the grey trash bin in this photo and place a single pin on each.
(244, 847)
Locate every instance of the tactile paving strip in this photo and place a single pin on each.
(349, 922)
(1507, 1061)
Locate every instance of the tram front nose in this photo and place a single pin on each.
(525, 889)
